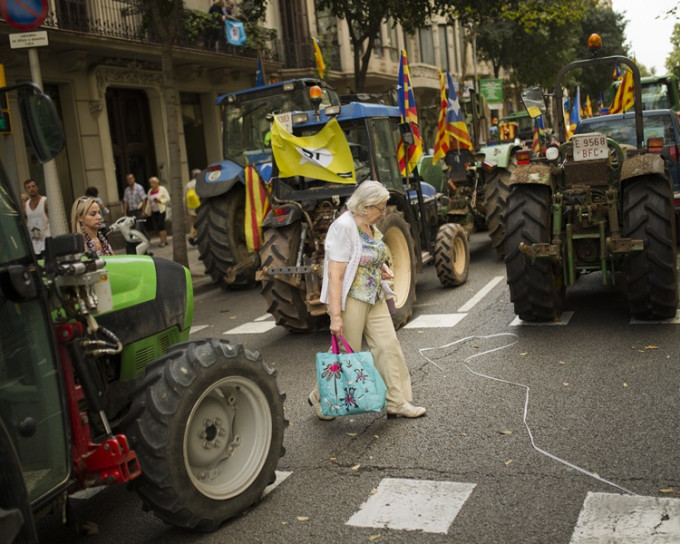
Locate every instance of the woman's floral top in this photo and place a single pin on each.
(106, 247)
(367, 285)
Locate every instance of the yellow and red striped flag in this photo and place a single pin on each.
(320, 64)
(257, 207)
(409, 114)
(625, 95)
(455, 120)
(442, 142)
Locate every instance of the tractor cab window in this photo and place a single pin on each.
(30, 395)
(655, 96)
(385, 135)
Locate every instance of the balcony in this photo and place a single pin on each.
(121, 20)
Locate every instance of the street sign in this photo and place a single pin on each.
(28, 39)
(24, 14)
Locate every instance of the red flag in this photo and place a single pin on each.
(442, 141)
(257, 207)
(625, 95)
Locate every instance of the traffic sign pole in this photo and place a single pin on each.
(57, 214)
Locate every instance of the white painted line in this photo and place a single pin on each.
(413, 505)
(281, 475)
(434, 320)
(563, 320)
(610, 517)
(672, 321)
(264, 317)
(253, 328)
(197, 328)
(480, 295)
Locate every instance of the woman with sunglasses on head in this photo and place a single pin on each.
(86, 218)
(353, 288)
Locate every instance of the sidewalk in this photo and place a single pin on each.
(200, 280)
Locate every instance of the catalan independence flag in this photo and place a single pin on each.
(318, 59)
(455, 121)
(442, 142)
(625, 94)
(257, 206)
(409, 114)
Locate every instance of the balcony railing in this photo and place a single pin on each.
(120, 19)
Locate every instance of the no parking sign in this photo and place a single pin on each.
(24, 14)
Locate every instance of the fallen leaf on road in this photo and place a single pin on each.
(506, 431)
(476, 346)
(525, 353)
(302, 518)
(673, 490)
(374, 491)
(565, 384)
(355, 467)
(625, 384)
(373, 538)
(651, 347)
(351, 434)
(508, 462)
(334, 459)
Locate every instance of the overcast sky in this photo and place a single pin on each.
(649, 38)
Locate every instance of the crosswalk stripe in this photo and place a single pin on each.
(612, 517)
(413, 505)
(480, 295)
(429, 321)
(563, 320)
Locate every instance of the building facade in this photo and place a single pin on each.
(102, 68)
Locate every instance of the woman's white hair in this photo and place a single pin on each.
(367, 193)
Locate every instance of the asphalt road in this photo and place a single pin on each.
(597, 394)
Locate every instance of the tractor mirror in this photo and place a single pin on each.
(43, 125)
(534, 102)
(406, 133)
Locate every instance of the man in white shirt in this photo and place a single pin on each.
(36, 216)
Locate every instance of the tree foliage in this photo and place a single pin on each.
(673, 60)
(364, 20)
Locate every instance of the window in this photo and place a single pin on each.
(426, 45)
(391, 41)
(444, 47)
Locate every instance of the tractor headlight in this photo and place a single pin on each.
(552, 153)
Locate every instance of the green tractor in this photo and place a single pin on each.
(591, 205)
(100, 384)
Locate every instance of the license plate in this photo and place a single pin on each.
(589, 147)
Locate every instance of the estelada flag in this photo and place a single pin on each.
(455, 121)
(442, 141)
(324, 155)
(625, 94)
(318, 58)
(257, 207)
(409, 114)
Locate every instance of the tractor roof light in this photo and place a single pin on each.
(300, 118)
(594, 43)
(332, 111)
(288, 86)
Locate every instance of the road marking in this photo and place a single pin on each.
(480, 295)
(281, 475)
(672, 321)
(197, 328)
(611, 517)
(413, 505)
(264, 317)
(253, 327)
(563, 320)
(429, 321)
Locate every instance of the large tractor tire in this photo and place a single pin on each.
(286, 302)
(402, 260)
(496, 190)
(536, 286)
(221, 238)
(452, 255)
(207, 424)
(651, 274)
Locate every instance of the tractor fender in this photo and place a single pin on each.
(538, 174)
(500, 155)
(282, 216)
(642, 165)
(214, 182)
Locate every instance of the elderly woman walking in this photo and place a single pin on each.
(353, 288)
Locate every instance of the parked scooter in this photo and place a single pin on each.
(136, 242)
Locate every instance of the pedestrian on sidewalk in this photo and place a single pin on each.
(37, 218)
(158, 200)
(354, 288)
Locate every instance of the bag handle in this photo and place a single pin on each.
(335, 347)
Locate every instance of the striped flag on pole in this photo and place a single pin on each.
(409, 114)
(257, 207)
(455, 121)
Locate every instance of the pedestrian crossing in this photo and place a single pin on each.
(430, 506)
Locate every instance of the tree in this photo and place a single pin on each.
(364, 20)
(673, 60)
(166, 20)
